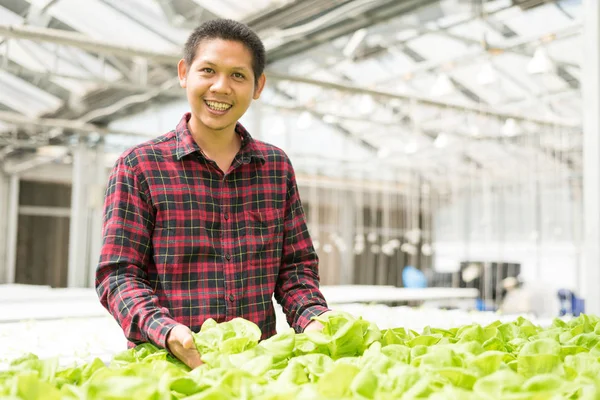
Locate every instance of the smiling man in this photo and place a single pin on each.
(205, 221)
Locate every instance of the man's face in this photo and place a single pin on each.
(220, 84)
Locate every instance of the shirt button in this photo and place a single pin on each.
(231, 297)
(228, 257)
(226, 216)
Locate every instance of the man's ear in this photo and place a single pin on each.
(182, 70)
(259, 86)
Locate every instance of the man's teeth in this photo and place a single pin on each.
(218, 106)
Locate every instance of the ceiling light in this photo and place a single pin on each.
(540, 63)
(442, 86)
(510, 127)
(441, 141)
(487, 75)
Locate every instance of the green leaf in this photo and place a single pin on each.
(365, 384)
(394, 336)
(571, 350)
(336, 382)
(397, 353)
(425, 340)
(488, 362)
(280, 346)
(496, 385)
(586, 340)
(494, 344)
(459, 377)
(229, 337)
(30, 386)
(471, 333)
(529, 366)
(543, 383)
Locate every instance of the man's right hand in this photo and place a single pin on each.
(180, 342)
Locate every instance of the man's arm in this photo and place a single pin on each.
(297, 288)
(121, 278)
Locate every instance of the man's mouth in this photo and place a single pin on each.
(217, 106)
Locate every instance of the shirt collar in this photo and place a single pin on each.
(187, 145)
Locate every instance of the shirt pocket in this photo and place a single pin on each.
(264, 236)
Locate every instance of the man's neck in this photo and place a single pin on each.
(215, 144)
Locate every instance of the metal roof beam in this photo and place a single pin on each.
(427, 101)
(97, 46)
(514, 46)
(84, 42)
(66, 124)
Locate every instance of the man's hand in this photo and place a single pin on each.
(181, 343)
(315, 325)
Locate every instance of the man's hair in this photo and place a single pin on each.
(227, 29)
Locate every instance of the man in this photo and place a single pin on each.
(204, 221)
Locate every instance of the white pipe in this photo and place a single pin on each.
(12, 228)
(590, 271)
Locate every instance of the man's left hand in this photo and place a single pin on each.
(315, 325)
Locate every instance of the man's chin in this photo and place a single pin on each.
(217, 126)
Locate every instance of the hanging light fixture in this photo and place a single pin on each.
(540, 63)
(441, 140)
(487, 75)
(442, 86)
(510, 128)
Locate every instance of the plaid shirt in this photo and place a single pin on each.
(183, 242)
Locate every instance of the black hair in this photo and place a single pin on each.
(227, 29)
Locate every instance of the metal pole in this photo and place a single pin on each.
(590, 273)
(348, 231)
(12, 228)
(84, 42)
(3, 225)
(78, 243)
(96, 204)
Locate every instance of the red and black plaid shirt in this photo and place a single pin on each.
(183, 242)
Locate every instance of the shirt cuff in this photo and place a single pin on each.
(305, 317)
(158, 330)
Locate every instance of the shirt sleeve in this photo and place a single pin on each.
(297, 288)
(121, 277)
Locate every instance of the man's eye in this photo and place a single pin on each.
(238, 75)
(208, 70)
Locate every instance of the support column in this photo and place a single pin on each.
(12, 225)
(96, 207)
(348, 231)
(589, 279)
(3, 224)
(79, 225)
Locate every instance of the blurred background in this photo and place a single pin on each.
(446, 150)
